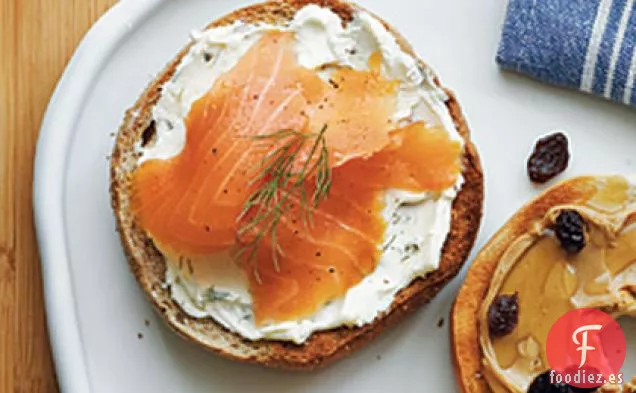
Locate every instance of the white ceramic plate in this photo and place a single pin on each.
(105, 335)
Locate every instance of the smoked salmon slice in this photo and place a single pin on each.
(320, 262)
(192, 203)
(194, 197)
(420, 158)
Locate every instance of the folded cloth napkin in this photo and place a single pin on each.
(588, 45)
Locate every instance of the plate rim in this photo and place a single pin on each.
(50, 165)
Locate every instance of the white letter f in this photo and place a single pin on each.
(584, 347)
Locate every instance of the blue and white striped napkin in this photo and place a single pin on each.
(588, 45)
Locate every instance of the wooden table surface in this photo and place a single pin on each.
(37, 38)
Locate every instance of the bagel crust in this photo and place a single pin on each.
(148, 264)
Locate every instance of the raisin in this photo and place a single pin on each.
(574, 389)
(503, 315)
(549, 158)
(570, 231)
(542, 384)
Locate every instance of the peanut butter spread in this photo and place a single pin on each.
(551, 282)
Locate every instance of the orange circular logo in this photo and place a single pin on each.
(586, 349)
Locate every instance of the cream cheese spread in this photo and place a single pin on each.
(418, 223)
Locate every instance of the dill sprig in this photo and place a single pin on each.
(278, 181)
